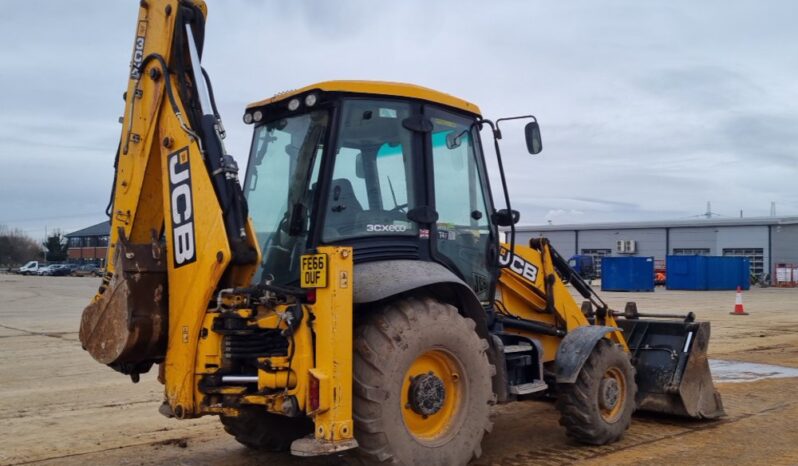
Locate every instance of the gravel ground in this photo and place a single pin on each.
(60, 407)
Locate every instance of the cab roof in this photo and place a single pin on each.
(376, 88)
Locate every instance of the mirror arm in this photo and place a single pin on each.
(495, 130)
(522, 117)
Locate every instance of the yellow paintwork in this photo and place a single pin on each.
(385, 88)
(294, 382)
(446, 367)
(612, 414)
(333, 328)
(189, 292)
(525, 299)
(142, 196)
(322, 343)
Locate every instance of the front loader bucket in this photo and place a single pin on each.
(673, 374)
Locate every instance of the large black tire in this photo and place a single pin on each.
(586, 408)
(388, 346)
(260, 430)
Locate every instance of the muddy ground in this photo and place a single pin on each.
(57, 406)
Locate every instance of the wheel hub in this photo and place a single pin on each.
(426, 394)
(609, 392)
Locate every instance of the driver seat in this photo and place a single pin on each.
(344, 206)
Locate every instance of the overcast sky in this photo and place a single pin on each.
(648, 109)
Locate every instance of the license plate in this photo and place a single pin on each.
(313, 270)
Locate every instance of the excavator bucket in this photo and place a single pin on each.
(673, 374)
(125, 326)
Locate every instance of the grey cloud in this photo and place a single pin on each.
(647, 110)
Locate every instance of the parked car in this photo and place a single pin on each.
(71, 267)
(43, 270)
(30, 268)
(87, 270)
(60, 270)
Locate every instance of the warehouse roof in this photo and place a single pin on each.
(101, 229)
(683, 223)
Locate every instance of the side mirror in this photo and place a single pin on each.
(533, 142)
(454, 140)
(505, 218)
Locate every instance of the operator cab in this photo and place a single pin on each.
(394, 170)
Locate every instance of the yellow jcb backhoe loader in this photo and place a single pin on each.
(354, 295)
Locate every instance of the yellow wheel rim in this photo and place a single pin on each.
(431, 416)
(612, 394)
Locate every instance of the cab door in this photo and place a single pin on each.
(464, 239)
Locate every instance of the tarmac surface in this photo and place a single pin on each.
(59, 407)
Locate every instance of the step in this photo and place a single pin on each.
(527, 388)
(517, 348)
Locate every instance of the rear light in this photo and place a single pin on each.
(310, 296)
(313, 393)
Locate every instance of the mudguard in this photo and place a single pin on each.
(375, 281)
(574, 350)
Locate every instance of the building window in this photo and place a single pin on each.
(74, 242)
(102, 241)
(597, 254)
(690, 251)
(756, 257)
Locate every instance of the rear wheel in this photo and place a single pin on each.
(597, 408)
(422, 385)
(260, 430)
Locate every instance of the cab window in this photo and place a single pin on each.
(463, 231)
(372, 186)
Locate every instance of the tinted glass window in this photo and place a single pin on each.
(372, 186)
(463, 229)
(283, 167)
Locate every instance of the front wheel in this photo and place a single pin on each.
(422, 385)
(597, 408)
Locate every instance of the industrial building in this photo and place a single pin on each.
(765, 241)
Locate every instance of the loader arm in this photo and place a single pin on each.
(179, 225)
(530, 288)
(670, 356)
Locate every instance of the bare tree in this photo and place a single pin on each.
(16, 247)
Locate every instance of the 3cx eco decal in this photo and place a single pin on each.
(138, 50)
(372, 227)
(182, 208)
(518, 265)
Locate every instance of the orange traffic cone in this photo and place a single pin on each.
(738, 304)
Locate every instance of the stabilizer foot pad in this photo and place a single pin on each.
(310, 446)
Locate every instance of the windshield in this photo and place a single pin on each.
(283, 168)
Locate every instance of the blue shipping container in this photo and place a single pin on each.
(707, 273)
(627, 274)
(686, 273)
(727, 273)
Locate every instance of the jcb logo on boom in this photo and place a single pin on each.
(518, 265)
(182, 205)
